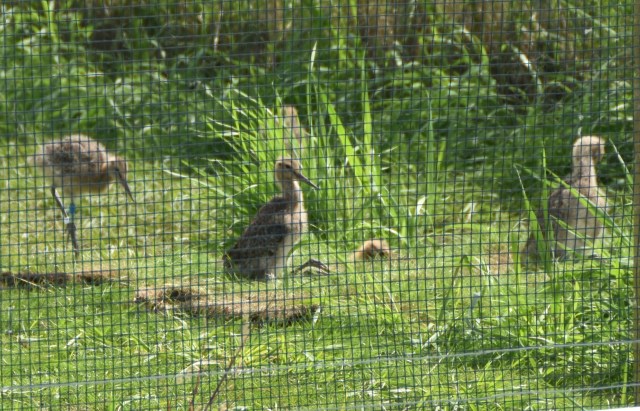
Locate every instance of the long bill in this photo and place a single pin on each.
(305, 179)
(124, 184)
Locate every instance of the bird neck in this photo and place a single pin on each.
(584, 172)
(291, 191)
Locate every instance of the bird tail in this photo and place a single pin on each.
(37, 159)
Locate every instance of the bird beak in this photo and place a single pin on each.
(306, 180)
(124, 184)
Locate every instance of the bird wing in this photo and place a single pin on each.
(76, 158)
(64, 159)
(265, 234)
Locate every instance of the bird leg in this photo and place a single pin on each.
(318, 266)
(71, 234)
(68, 219)
(71, 230)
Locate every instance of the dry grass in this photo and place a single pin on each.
(260, 308)
(58, 279)
(498, 261)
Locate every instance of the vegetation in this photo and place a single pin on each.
(425, 127)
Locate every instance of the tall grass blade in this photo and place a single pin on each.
(369, 157)
(543, 242)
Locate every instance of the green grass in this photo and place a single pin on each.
(421, 152)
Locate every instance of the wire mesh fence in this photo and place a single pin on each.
(316, 205)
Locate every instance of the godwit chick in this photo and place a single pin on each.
(262, 252)
(580, 223)
(371, 249)
(79, 165)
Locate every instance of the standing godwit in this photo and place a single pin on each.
(79, 165)
(262, 252)
(579, 222)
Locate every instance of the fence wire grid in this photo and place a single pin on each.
(339, 205)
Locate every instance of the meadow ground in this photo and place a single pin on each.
(436, 166)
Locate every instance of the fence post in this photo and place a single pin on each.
(636, 193)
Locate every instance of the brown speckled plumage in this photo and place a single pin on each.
(562, 205)
(262, 252)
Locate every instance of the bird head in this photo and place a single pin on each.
(288, 169)
(589, 146)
